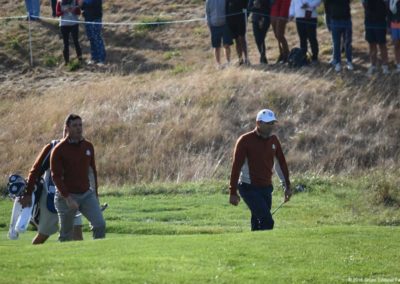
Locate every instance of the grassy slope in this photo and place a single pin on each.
(164, 233)
(161, 86)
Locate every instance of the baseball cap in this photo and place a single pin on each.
(266, 115)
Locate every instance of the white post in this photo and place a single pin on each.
(30, 41)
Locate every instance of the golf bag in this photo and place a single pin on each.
(298, 58)
(21, 217)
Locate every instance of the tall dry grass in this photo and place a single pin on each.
(183, 127)
(160, 111)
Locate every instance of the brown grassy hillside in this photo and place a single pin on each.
(160, 110)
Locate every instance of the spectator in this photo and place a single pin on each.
(220, 33)
(32, 9)
(375, 33)
(53, 4)
(305, 13)
(68, 10)
(341, 25)
(260, 10)
(236, 22)
(279, 17)
(93, 14)
(395, 30)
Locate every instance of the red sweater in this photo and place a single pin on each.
(254, 160)
(70, 163)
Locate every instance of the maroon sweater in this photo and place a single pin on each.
(253, 161)
(70, 163)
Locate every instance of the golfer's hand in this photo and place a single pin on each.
(234, 199)
(288, 194)
(26, 200)
(72, 204)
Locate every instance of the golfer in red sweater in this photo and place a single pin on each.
(256, 154)
(72, 162)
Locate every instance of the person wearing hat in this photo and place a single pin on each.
(256, 154)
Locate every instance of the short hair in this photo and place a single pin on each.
(70, 117)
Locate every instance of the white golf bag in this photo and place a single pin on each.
(20, 217)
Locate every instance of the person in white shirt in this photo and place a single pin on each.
(305, 14)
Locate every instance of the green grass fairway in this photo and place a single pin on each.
(313, 255)
(189, 234)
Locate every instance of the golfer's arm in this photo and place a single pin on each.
(239, 157)
(34, 173)
(281, 167)
(94, 170)
(279, 173)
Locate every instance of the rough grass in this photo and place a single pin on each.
(149, 128)
(193, 208)
(161, 112)
(179, 233)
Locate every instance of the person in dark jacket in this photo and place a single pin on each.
(236, 21)
(375, 33)
(341, 25)
(93, 14)
(260, 10)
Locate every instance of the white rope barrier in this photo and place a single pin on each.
(158, 23)
(12, 18)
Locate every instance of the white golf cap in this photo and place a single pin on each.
(266, 115)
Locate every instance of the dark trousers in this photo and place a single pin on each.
(259, 201)
(342, 29)
(97, 49)
(74, 31)
(307, 30)
(260, 29)
(53, 7)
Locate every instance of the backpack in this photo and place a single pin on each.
(297, 58)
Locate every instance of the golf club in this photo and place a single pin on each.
(277, 208)
(104, 206)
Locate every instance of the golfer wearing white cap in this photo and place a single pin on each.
(256, 154)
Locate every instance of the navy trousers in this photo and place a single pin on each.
(259, 201)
